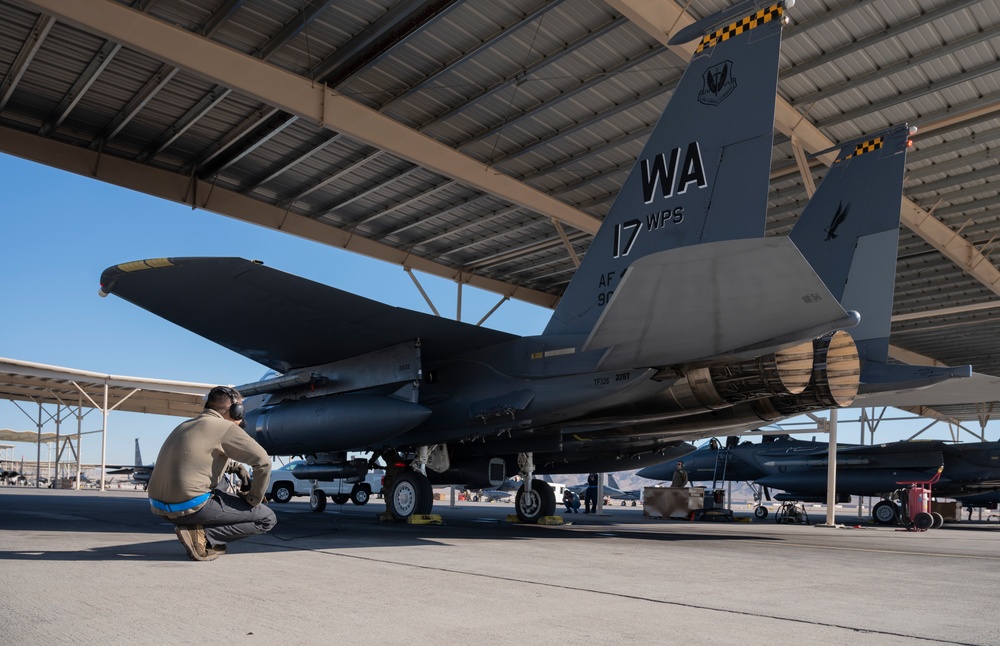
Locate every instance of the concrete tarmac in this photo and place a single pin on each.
(90, 567)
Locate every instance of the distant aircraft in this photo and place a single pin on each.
(138, 473)
(971, 472)
(682, 321)
(611, 490)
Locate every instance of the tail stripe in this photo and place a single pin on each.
(744, 24)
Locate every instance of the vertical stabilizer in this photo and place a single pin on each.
(849, 232)
(703, 173)
(138, 456)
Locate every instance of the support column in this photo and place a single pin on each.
(831, 471)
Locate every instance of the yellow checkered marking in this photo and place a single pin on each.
(867, 146)
(743, 24)
(864, 147)
(139, 265)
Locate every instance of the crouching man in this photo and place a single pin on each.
(192, 460)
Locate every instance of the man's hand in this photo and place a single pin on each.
(241, 472)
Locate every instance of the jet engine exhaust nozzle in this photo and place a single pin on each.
(786, 372)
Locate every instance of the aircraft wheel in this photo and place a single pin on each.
(317, 501)
(359, 495)
(282, 492)
(760, 512)
(411, 494)
(885, 512)
(539, 503)
(923, 521)
(340, 498)
(938, 520)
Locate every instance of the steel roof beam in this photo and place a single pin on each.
(451, 208)
(331, 65)
(161, 78)
(930, 88)
(372, 189)
(218, 93)
(882, 72)
(301, 97)
(478, 223)
(297, 159)
(291, 29)
(43, 24)
(97, 64)
(886, 34)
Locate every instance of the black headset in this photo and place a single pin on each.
(236, 409)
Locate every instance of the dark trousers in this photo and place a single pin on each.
(590, 500)
(229, 518)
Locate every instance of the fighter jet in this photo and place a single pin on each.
(611, 490)
(682, 321)
(970, 473)
(138, 473)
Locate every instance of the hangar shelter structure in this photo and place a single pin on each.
(51, 396)
(485, 141)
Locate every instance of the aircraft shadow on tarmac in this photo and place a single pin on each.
(297, 530)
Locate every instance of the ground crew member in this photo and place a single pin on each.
(192, 460)
(590, 495)
(680, 478)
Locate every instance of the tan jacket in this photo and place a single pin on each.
(194, 457)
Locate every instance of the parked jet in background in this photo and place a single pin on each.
(682, 321)
(138, 473)
(611, 490)
(971, 472)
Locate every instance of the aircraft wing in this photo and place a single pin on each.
(277, 319)
(721, 298)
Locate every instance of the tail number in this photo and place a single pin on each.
(625, 232)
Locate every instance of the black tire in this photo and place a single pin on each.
(885, 512)
(760, 512)
(540, 503)
(938, 520)
(411, 494)
(282, 492)
(360, 494)
(426, 494)
(923, 520)
(340, 499)
(317, 501)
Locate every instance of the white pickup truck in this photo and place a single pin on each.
(284, 486)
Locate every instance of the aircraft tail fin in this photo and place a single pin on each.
(703, 173)
(138, 455)
(612, 482)
(849, 232)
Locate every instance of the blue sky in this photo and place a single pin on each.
(60, 231)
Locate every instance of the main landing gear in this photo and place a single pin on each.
(535, 499)
(408, 489)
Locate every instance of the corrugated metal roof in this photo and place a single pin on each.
(559, 95)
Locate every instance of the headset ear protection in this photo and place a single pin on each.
(236, 410)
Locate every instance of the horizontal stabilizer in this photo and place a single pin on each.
(977, 389)
(280, 320)
(684, 305)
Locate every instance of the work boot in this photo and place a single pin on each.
(193, 539)
(217, 550)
